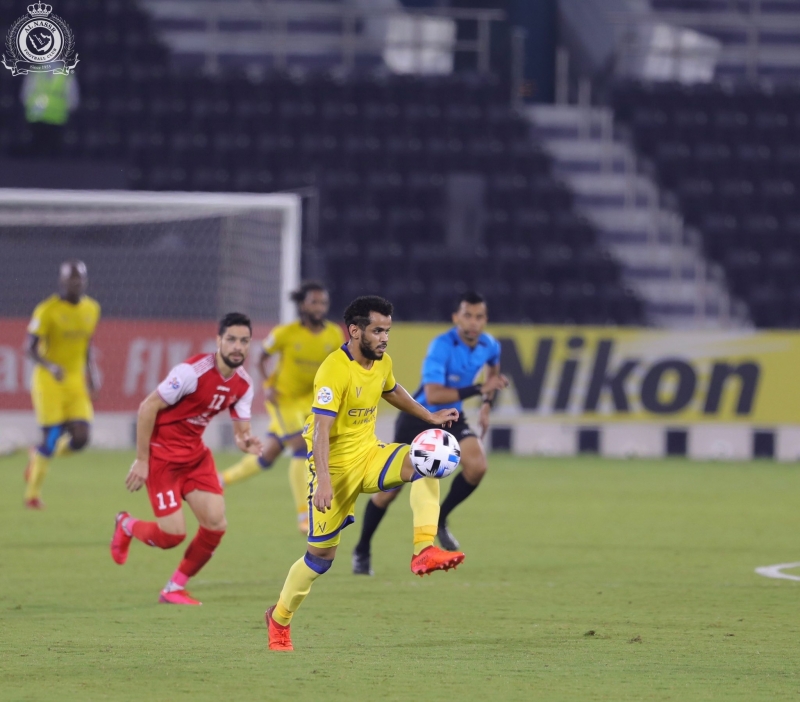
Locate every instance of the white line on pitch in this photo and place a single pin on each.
(774, 571)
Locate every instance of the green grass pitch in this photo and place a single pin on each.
(584, 579)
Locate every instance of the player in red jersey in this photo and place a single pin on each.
(174, 463)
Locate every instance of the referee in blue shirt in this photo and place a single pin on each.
(453, 361)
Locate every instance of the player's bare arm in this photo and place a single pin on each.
(245, 441)
(398, 397)
(34, 354)
(148, 410)
(321, 446)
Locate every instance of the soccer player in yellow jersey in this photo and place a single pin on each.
(301, 347)
(60, 334)
(345, 458)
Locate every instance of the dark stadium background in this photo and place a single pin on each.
(611, 164)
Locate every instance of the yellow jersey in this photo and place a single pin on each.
(65, 330)
(344, 389)
(301, 353)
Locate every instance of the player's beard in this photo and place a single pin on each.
(368, 352)
(313, 320)
(230, 362)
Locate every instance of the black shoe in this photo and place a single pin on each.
(361, 564)
(446, 539)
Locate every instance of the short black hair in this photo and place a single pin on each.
(234, 319)
(299, 296)
(471, 297)
(358, 310)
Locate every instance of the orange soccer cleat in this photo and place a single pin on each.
(433, 558)
(178, 597)
(302, 524)
(120, 542)
(280, 638)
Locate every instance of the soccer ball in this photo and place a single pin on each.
(435, 453)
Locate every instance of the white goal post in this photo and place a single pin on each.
(39, 206)
(164, 266)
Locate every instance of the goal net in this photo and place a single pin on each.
(164, 268)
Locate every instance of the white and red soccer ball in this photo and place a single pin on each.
(435, 453)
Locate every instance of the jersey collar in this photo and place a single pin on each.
(458, 341)
(347, 351)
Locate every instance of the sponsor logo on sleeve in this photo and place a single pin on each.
(324, 396)
(174, 382)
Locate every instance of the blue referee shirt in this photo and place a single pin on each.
(450, 362)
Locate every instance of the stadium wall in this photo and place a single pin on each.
(618, 392)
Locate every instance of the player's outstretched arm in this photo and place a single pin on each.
(246, 442)
(399, 397)
(321, 448)
(146, 420)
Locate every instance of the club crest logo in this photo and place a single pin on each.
(40, 42)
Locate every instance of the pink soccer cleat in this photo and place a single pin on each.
(120, 542)
(179, 597)
(34, 503)
(433, 558)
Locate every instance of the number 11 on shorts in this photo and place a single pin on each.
(172, 502)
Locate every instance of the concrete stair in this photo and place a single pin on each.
(661, 261)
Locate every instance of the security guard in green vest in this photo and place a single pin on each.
(48, 98)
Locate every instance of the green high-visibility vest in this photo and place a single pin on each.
(47, 101)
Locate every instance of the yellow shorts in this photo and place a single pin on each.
(288, 417)
(58, 402)
(379, 471)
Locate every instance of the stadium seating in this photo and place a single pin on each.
(732, 157)
(381, 151)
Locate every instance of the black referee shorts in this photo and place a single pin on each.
(407, 427)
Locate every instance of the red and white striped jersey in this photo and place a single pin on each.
(196, 393)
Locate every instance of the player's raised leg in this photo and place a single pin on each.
(427, 558)
(165, 533)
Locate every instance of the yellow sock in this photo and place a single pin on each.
(298, 479)
(62, 446)
(37, 476)
(244, 469)
(425, 506)
(297, 586)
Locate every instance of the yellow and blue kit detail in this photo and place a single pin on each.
(64, 331)
(358, 462)
(301, 352)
